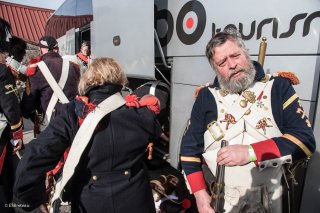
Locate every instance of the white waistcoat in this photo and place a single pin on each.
(245, 119)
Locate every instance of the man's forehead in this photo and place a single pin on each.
(228, 48)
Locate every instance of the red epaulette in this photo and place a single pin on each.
(32, 70)
(197, 90)
(132, 101)
(289, 75)
(149, 101)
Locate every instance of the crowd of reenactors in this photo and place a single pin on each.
(39, 91)
(86, 131)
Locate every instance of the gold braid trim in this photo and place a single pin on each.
(289, 101)
(190, 159)
(16, 126)
(298, 143)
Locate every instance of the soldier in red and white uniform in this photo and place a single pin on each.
(83, 56)
(262, 119)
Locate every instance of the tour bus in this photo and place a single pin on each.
(165, 40)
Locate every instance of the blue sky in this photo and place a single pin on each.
(49, 4)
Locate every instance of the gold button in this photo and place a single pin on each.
(94, 177)
(126, 172)
(243, 103)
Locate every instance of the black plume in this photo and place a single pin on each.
(5, 28)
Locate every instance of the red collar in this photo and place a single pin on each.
(82, 57)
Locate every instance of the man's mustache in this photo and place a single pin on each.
(237, 70)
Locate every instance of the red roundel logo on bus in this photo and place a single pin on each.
(191, 22)
(190, 25)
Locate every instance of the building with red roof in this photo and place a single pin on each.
(27, 22)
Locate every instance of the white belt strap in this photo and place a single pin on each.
(216, 133)
(152, 90)
(52, 82)
(154, 84)
(82, 139)
(57, 88)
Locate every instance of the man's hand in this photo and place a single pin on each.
(18, 146)
(203, 201)
(233, 155)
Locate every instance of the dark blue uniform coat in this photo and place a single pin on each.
(40, 90)
(110, 176)
(287, 112)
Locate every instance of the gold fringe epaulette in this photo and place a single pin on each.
(289, 75)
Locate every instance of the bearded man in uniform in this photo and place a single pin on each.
(262, 119)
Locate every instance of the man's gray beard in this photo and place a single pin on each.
(237, 85)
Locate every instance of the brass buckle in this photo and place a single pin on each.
(213, 134)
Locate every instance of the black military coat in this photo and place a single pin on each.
(9, 103)
(110, 176)
(9, 107)
(41, 92)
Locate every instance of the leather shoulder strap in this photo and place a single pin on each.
(83, 137)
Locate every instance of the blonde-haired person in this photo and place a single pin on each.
(102, 70)
(110, 176)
